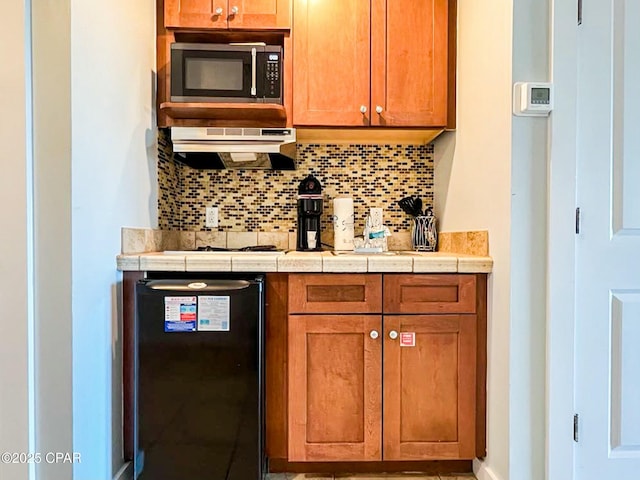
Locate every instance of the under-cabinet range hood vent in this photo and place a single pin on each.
(239, 148)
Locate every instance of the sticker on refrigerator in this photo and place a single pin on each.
(180, 314)
(213, 313)
(407, 339)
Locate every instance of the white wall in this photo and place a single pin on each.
(529, 154)
(473, 189)
(491, 174)
(14, 278)
(52, 223)
(114, 184)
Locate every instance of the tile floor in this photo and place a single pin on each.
(309, 476)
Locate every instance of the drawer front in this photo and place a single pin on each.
(335, 293)
(429, 293)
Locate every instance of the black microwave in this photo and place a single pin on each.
(209, 72)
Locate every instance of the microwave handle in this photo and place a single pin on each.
(253, 71)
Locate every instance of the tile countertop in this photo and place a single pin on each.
(343, 262)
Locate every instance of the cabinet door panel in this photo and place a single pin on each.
(429, 389)
(432, 293)
(409, 62)
(195, 13)
(334, 388)
(259, 14)
(339, 293)
(331, 53)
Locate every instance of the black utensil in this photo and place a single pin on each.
(411, 205)
(406, 204)
(417, 207)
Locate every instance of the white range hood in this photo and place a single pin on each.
(247, 148)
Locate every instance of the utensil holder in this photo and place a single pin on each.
(424, 235)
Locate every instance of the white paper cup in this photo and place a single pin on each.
(312, 239)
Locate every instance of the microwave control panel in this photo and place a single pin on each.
(272, 75)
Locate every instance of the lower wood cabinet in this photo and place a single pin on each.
(376, 380)
(334, 387)
(429, 394)
(339, 380)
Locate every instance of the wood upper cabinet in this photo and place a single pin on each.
(409, 61)
(331, 61)
(430, 388)
(227, 14)
(370, 63)
(334, 388)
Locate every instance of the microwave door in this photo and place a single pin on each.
(220, 76)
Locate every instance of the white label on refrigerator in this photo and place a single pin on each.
(213, 314)
(180, 314)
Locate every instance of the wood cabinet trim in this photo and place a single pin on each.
(428, 467)
(452, 62)
(481, 366)
(276, 357)
(129, 281)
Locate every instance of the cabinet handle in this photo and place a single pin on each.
(393, 334)
(219, 11)
(234, 10)
(373, 334)
(379, 109)
(253, 71)
(363, 109)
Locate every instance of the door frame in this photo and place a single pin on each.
(561, 237)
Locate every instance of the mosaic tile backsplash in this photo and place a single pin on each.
(265, 200)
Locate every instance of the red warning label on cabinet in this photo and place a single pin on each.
(407, 339)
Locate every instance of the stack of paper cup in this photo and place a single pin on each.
(343, 220)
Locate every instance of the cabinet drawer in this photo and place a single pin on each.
(429, 293)
(326, 293)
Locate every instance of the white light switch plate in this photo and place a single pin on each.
(211, 219)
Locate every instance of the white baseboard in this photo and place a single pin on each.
(125, 472)
(483, 472)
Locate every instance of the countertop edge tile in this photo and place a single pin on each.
(254, 263)
(435, 264)
(390, 264)
(200, 263)
(311, 262)
(345, 264)
(473, 264)
(160, 262)
(129, 263)
(300, 262)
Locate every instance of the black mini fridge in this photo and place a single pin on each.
(200, 378)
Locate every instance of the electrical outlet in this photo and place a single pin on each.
(211, 219)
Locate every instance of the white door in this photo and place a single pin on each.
(607, 369)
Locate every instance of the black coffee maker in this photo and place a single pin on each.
(309, 212)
